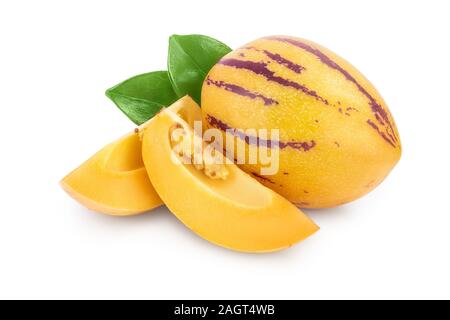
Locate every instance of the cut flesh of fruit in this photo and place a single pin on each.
(237, 213)
(114, 181)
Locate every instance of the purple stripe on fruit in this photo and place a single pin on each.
(256, 141)
(260, 68)
(240, 91)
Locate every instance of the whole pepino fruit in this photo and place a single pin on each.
(337, 139)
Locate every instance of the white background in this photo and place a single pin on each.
(58, 57)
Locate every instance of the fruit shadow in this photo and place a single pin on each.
(330, 213)
(332, 217)
(158, 214)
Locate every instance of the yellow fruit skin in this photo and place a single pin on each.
(237, 213)
(339, 138)
(114, 181)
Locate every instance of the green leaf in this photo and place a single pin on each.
(142, 96)
(189, 61)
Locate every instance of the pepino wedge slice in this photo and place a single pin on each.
(236, 212)
(114, 181)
